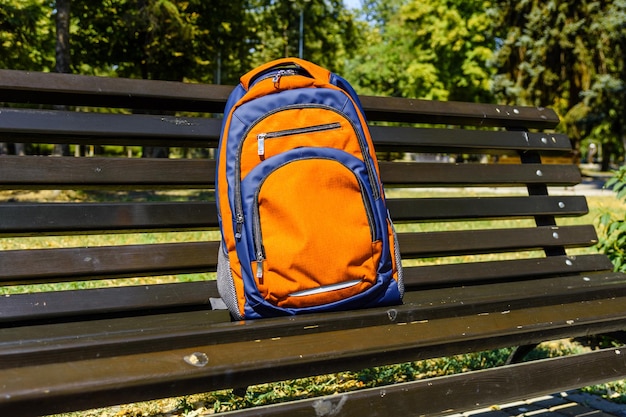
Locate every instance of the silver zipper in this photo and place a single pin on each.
(261, 137)
(276, 78)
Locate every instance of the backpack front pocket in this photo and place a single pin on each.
(314, 231)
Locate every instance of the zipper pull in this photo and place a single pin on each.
(259, 267)
(276, 78)
(239, 226)
(260, 138)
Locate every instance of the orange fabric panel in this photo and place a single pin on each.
(341, 138)
(327, 221)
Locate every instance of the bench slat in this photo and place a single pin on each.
(53, 126)
(102, 301)
(69, 264)
(48, 88)
(90, 339)
(434, 209)
(468, 141)
(98, 301)
(431, 244)
(480, 175)
(484, 272)
(396, 109)
(30, 172)
(25, 219)
(165, 373)
(35, 172)
(84, 90)
(457, 394)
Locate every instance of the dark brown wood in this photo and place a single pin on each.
(155, 374)
(71, 264)
(479, 175)
(27, 219)
(487, 271)
(456, 113)
(103, 302)
(430, 244)
(110, 337)
(36, 126)
(35, 172)
(36, 219)
(49, 305)
(469, 141)
(463, 208)
(460, 393)
(83, 90)
(30, 172)
(51, 126)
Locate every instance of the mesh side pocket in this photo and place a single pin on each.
(396, 248)
(225, 283)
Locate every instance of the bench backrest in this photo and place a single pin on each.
(487, 219)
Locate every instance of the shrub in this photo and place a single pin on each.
(612, 228)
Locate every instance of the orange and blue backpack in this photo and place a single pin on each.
(301, 206)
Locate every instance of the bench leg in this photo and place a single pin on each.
(519, 353)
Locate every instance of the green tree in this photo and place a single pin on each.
(26, 37)
(159, 39)
(435, 49)
(151, 39)
(329, 30)
(26, 40)
(567, 55)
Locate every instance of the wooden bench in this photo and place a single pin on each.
(487, 261)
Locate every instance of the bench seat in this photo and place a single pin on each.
(108, 297)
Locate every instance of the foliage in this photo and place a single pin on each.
(194, 40)
(612, 227)
(26, 37)
(160, 39)
(567, 55)
(614, 391)
(435, 49)
(329, 31)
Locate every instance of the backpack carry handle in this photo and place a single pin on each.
(316, 72)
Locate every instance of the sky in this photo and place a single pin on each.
(352, 4)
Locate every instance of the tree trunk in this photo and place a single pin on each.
(62, 64)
